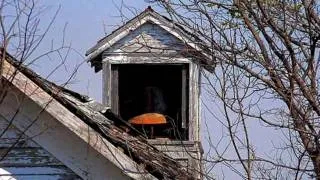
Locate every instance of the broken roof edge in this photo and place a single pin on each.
(36, 94)
(116, 31)
(156, 163)
(204, 54)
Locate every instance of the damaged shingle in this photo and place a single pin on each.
(103, 121)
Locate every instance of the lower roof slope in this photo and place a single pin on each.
(103, 121)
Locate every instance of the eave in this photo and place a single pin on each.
(194, 45)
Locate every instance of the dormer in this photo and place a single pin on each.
(151, 78)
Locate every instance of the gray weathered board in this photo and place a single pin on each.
(26, 159)
(148, 38)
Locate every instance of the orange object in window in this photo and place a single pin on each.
(148, 119)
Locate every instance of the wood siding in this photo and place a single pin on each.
(22, 158)
(62, 133)
(152, 44)
(187, 153)
(148, 38)
(65, 146)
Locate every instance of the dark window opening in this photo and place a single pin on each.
(143, 89)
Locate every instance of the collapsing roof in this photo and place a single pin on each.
(193, 45)
(104, 122)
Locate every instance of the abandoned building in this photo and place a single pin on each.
(148, 126)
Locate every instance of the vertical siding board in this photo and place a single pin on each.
(115, 90)
(194, 95)
(106, 84)
(184, 97)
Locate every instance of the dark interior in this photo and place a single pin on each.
(163, 83)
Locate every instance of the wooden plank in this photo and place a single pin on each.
(152, 59)
(11, 136)
(184, 98)
(194, 95)
(25, 152)
(106, 84)
(177, 148)
(182, 154)
(160, 55)
(23, 142)
(39, 161)
(171, 142)
(115, 89)
(37, 177)
(49, 170)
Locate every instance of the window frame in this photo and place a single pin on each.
(192, 76)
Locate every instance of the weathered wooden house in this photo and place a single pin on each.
(148, 126)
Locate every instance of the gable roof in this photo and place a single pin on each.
(104, 122)
(194, 45)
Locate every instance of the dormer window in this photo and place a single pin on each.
(150, 72)
(149, 91)
(151, 75)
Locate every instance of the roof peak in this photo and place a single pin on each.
(149, 8)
